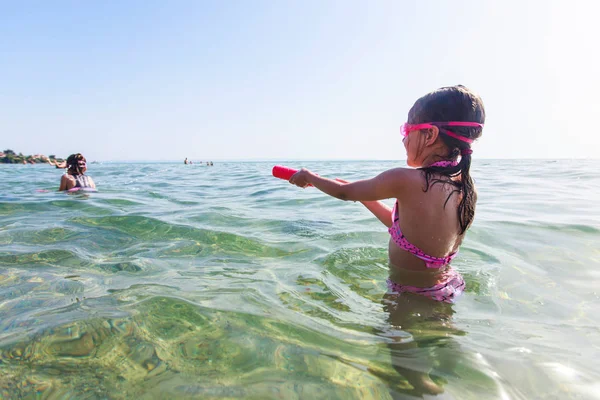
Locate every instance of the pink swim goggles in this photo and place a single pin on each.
(407, 128)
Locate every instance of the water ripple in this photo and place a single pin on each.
(172, 272)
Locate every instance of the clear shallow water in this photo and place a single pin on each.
(222, 282)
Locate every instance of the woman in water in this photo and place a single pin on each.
(75, 176)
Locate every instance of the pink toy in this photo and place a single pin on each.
(281, 172)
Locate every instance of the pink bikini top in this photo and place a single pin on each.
(404, 244)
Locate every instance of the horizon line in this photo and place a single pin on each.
(327, 159)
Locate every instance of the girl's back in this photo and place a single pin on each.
(429, 220)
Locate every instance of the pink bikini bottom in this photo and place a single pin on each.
(447, 290)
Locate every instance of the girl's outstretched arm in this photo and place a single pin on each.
(393, 183)
(377, 208)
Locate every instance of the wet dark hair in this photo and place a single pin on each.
(453, 103)
(72, 164)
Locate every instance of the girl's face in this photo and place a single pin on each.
(411, 144)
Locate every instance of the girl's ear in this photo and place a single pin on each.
(431, 135)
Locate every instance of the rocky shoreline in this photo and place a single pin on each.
(10, 157)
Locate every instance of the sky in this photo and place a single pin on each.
(281, 80)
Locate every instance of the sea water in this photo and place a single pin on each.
(189, 281)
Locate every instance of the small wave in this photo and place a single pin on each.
(147, 228)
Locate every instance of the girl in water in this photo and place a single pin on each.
(435, 203)
(75, 178)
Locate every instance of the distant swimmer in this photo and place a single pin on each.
(75, 176)
(185, 161)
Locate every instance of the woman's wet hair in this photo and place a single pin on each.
(73, 164)
(453, 103)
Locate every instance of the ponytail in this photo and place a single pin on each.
(464, 184)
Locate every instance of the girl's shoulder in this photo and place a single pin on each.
(397, 182)
(404, 174)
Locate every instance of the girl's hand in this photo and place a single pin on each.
(301, 178)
